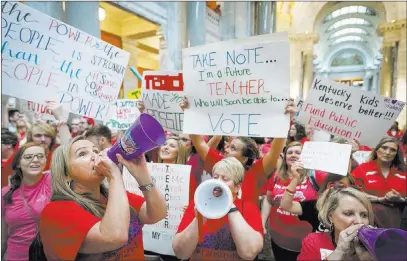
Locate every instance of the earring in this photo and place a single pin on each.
(69, 183)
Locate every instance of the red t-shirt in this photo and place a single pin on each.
(218, 243)
(316, 246)
(254, 178)
(192, 187)
(397, 134)
(7, 168)
(369, 176)
(197, 167)
(286, 229)
(65, 224)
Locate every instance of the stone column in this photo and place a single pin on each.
(243, 18)
(84, 16)
(263, 17)
(196, 20)
(227, 21)
(173, 37)
(394, 32)
(53, 9)
(301, 63)
(283, 19)
(366, 80)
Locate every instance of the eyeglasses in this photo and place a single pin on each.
(30, 157)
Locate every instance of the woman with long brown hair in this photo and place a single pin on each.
(384, 179)
(23, 201)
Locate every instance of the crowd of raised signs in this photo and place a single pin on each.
(64, 199)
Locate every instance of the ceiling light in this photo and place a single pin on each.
(102, 14)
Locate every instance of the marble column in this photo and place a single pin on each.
(196, 21)
(366, 80)
(386, 71)
(53, 9)
(273, 17)
(173, 38)
(263, 17)
(84, 16)
(374, 87)
(243, 18)
(227, 21)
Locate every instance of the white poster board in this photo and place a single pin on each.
(33, 108)
(349, 112)
(238, 88)
(173, 182)
(361, 156)
(125, 113)
(44, 59)
(326, 156)
(162, 92)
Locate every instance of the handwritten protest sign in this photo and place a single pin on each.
(298, 103)
(361, 156)
(326, 156)
(237, 88)
(44, 59)
(125, 113)
(134, 94)
(29, 106)
(173, 181)
(349, 112)
(162, 92)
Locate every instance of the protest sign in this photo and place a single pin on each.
(44, 59)
(162, 92)
(298, 103)
(134, 94)
(29, 106)
(125, 113)
(326, 156)
(173, 182)
(238, 88)
(349, 112)
(361, 156)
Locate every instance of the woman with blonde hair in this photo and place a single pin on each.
(23, 201)
(237, 235)
(84, 220)
(384, 179)
(344, 211)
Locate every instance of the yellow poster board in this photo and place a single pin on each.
(134, 94)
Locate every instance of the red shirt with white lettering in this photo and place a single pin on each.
(286, 229)
(316, 246)
(369, 176)
(65, 224)
(218, 242)
(254, 178)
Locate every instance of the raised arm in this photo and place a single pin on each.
(200, 145)
(186, 241)
(63, 130)
(287, 201)
(271, 158)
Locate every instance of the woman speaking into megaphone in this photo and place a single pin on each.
(236, 235)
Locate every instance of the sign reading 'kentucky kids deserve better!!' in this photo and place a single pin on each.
(44, 59)
(349, 112)
(238, 88)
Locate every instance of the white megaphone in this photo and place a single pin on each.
(213, 199)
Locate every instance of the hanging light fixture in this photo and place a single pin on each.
(102, 14)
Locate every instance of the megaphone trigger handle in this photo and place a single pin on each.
(200, 227)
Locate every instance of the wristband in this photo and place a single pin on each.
(232, 210)
(290, 191)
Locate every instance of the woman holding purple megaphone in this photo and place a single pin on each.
(344, 211)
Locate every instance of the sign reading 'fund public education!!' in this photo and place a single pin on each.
(238, 88)
(44, 59)
(173, 182)
(349, 112)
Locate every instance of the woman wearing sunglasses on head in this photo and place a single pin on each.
(344, 211)
(23, 201)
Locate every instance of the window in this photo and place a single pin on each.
(350, 38)
(348, 31)
(353, 9)
(347, 58)
(349, 21)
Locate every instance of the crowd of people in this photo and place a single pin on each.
(63, 198)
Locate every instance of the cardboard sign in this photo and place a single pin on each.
(173, 181)
(29, 106)
(125, 113)
(44, 59)
(361, 156)
(162, 93)
(326, 156)
(238, 88)
(349, 112)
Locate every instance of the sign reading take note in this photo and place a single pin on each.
(326, 156)
(238, 88)
(44, 59)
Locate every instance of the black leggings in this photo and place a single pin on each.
(281, 254)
